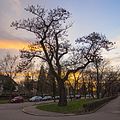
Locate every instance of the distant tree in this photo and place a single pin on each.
(90, 88)
(41, 82)
(100, 66)
(98, 85)
(28, 84)
(50, 28)
(21, 88)
(104, 77)
(74, 82)
(8, 65)
(84, 86)
(111, 82)
(90, 78)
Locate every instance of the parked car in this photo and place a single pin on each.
(47, 98)
(77, 96)
(35, 99)
(17, 99)
(88, 96)
(71, 96)
(57, 97)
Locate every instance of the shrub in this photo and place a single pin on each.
(96, 104)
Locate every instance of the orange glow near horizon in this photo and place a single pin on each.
(13, 44)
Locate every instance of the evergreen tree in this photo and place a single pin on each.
(52, 83)
(41, 82)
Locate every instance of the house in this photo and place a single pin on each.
(7, 84)
(1, 86)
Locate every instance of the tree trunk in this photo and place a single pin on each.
(98, 83)
(62, 93)
(54, 90)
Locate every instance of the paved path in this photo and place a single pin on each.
(110, 111)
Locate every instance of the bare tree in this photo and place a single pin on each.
(104, 77)
(101, 67)
(8, 65)
(50, 28)
(73, 82)
(89, 78)
(28, 84)
(111, 82)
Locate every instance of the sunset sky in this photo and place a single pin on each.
(88, 16)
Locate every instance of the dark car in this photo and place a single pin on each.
(17, 99)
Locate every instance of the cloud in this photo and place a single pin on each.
(114, 55)
(16, 6)
(10, 7)
(117, 42)
(13, 44)
(9, 11)
(4, 52)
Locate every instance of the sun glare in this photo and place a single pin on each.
(14, 44)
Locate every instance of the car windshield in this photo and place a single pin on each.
(17, 97)
(34, 97)
(39, 97)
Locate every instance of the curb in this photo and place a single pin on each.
(23, 110)
(34, 114)
(62, 114)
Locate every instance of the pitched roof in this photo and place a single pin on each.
(4, 78)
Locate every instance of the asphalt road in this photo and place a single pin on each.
(110, 111)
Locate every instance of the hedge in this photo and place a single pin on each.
(91, 106)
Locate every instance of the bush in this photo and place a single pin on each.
(4, 97)
(96, 104)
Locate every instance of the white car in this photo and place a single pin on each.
(35, 99)
(57, 97)
(77, 96)
(47, 98)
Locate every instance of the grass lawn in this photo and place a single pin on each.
(72, 107)
(3, 101)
